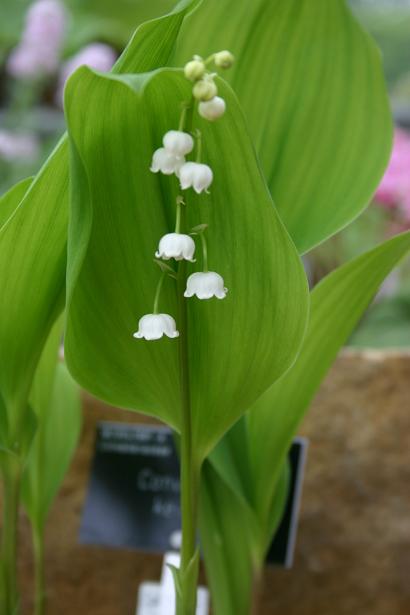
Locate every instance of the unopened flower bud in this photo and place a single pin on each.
(194, 70)
(224, 59)
(212, 109)
(204, 90)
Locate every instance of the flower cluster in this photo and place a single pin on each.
(171, 159)
(38, 52)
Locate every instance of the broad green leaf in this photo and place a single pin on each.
(33, 240)
(227, 511)
(227, 542)
(12, 198)
(311, 83)
(43, 383)
(237, 346)
(110, 21)
(255, 449)
(337, 304)
(32, 261)
(55, 399)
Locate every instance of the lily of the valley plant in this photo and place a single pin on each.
(171, 165)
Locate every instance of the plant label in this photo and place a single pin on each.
(133, 494)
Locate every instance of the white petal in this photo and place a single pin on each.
(166, 162)
(212, 109)
(177, 246)
(205, 285)
(154, 326)
(178, 143)
(196, 175)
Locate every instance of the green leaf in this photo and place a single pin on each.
(245, 481)
(12, 198)
(55, 399)
(237, 346)
(227, 511)
(311, 83)
(227, 527)
(337, 304)
(32, 262)
(33, 240)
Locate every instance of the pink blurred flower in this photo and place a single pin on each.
(98, 56)
(38, 52)
(23, 147)
(394, 189)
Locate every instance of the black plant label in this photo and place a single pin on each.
(132, 500)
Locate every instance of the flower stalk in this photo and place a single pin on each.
(40, 584)
(190, 472)
(158, 292)
(11, 475)
(204, 252)
(170, 159)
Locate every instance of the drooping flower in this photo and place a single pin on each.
(205, 285)
(38, 52)
(212, 109)
(154, 326)
(166, 162)
(178, 143)
(195, 175)
(177, 246)
(98, 56)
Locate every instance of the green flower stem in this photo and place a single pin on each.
(190, 469)
(183, 117)
(11, 475)
(158, 293)
(178, 216)
(209, 59)
(204, 252)
(186, 589)
(198, 146)
(40, 585)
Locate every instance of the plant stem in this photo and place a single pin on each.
(40, 585)
(204, 252)
(198, 146)
(11, 473)
(158, 293)
(190, 471)
(182, 118)
(178, 216)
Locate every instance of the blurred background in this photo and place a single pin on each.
(43, 42)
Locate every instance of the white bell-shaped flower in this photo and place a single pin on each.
(166, 162)
(154, 326)
(205, 285)
(212, 109)
(195, 175)
(178, 143)
(176, 245)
